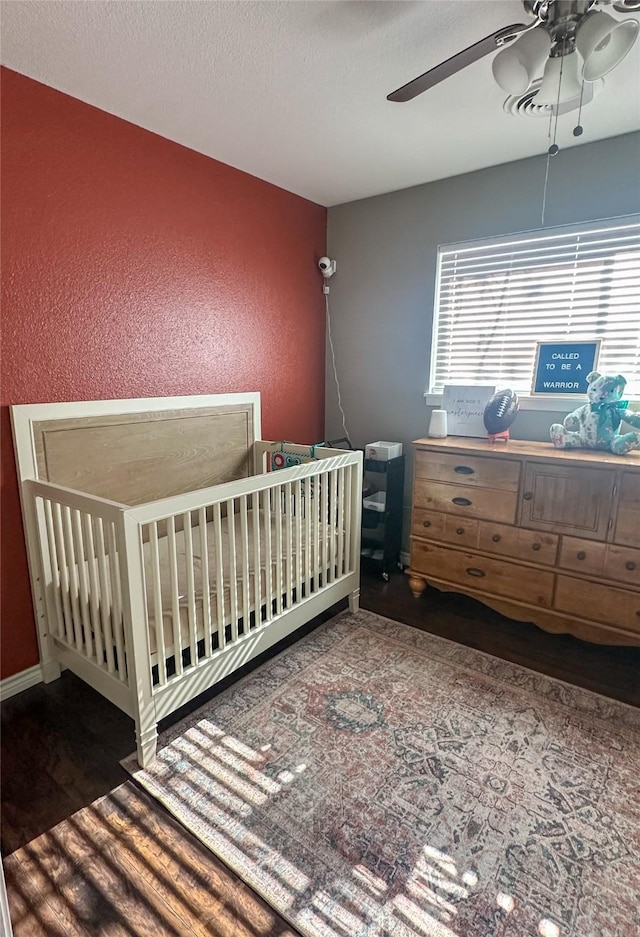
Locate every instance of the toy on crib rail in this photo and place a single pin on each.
(596, 424)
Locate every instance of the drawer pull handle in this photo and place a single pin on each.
(465, 502)
(464, 470)
(581, 555)
(535, 546)
(426, 523)
(496, 538)
(630, 565)
(460, 530)
(528, 495)
(474, 571)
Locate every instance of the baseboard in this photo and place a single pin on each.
(404, 558)
(20, 681)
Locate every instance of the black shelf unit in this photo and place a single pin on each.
(382, 530)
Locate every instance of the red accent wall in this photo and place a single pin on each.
(135, 267)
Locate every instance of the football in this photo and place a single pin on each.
(501, 410)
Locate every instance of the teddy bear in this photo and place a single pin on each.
(596, 424)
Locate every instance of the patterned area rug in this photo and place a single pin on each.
(376, 781)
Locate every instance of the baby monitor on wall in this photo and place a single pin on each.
(327, 267)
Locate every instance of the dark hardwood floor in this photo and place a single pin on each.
(87, 852)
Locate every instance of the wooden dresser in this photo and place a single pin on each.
(542, 535)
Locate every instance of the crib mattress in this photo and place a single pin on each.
(288, 563)
(234, 576)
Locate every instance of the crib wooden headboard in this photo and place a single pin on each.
(135, 451)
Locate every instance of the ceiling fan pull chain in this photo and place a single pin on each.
(546, 173)
(577, 130)
(554, 148)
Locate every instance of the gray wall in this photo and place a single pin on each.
(381, 299)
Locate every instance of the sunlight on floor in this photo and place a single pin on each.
(95, 870)
(372, 883)
(230, 782)
(506, 902)
(470, 878)
(547, 928)
(228, 771)
(421, 920)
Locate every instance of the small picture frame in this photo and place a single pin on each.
(464, 405)
(561, 368)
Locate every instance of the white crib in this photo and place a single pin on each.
(151, 600)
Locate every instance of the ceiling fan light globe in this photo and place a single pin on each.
(515, 67)
(509, 73)
(560, 73)
(603, 42)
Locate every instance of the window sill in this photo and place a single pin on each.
(541, 402)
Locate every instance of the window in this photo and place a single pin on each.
(496, 298)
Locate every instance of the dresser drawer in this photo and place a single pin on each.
(481, 471)
(461, 531)
(623, 563)
(595, 602)
(484, 574)
(531, 545)
(584, 556)
(465, 501)
(456, 530)
(428, 524)
(608, 561)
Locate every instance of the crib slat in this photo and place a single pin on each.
(268, 569)
(206, 588)
(288, 540)
(84, 587)
(276, 506)
(94, 586)
(346, 517)
(175, 592)
(324, 527)
(233, 578)
(55, 567)
(72, 570)
(257, 591)
(340, 521)
(319, 532)
(219, 574)
(299, 512)
(64, 572)
(105, 592)
(307, 502)
(116, 604)
(158, 619)
(191, 589)
(244, 548)
(351, 544)
(317, 544)
(331, 523)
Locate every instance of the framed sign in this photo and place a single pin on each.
(562, 367)
(465, 408)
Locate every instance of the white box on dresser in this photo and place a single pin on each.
(540, 534)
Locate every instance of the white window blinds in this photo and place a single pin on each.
(496, 299)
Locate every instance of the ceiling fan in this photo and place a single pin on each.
(573, 42)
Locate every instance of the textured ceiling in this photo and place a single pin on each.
(295, 92)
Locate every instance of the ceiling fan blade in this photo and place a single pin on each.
(457, 62)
